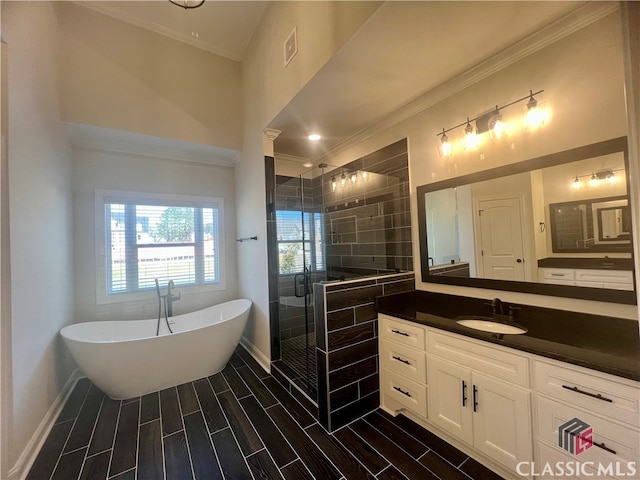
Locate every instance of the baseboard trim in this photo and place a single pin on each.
(257, 354)
(20, 470)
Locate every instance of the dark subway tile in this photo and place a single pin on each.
(397, 435)
(149, 407)
(150, 462)
(203, 458)
(235, 382)
(252, 363)
(128, 475)
(170, 411)
(262, 466)
(261, 392)
(70, 465)
(176, 457)
(313, 458)
(343, 396)
(187, 397)
(231, 459)
(296, 471)
(441, 467)
(245, 434)
(76, 399)
(369, 384)
(352, 297)
(96, 467)
(83, 428)
(211, 409)
(271, 437)
(392, 473)
(105, 426)
(295, 409)
(360, 449)
(348, 355)
(339, 455)
(477, 471)
(218, 383)
(352, 373)
(349, 413)
(365, 313)
(126, 441)
(340, 319)
(397, 287)
(339, 286)
(236, 361)
(350, 335)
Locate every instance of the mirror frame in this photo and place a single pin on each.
(569, 291)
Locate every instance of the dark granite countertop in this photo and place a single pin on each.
(602, 263)
(606, 344)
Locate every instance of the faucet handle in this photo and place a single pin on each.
(513, 310)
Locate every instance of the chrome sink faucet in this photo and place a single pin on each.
(171, 298)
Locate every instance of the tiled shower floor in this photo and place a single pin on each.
(296, 355)
(237, 424)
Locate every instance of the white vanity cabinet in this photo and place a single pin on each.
(613, 279)
(470, 398)
(473, 394)
(608, 405)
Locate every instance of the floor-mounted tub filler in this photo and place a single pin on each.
(126, 359)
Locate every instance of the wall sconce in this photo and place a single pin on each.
(492, 122)
(594, 178)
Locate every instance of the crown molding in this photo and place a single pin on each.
(293, 159)
(580, 18)
(87, 137)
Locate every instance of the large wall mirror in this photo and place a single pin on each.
(555, 225)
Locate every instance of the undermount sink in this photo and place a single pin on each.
(490, 325)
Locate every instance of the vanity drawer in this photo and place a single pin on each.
(605, 276)
(557, 274)
(622, 444)
(404, 360)
(406, 333)
(552, 456)
(406, 392)
(617, 400)
(482, 358)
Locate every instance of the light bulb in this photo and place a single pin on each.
(364, 175)
(611, 177)
(353, 177)
(334, 184)
(445, 146)
(594, 180)
(535, 116)
(577, 183)
(343, 180)
(314, 137)
(471, 140)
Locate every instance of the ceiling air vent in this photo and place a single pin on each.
(290, 47)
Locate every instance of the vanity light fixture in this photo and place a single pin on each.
(576, 182)
(492, 122)
(188, 4)
(596, 177)
(594, 180)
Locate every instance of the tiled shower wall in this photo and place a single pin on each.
(368, 223)
(347, 346)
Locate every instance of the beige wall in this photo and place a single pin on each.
(40, 209)
(587, 105)
(113, 76)
(322, 28)
(100, 170)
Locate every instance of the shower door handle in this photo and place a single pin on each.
(296, 282)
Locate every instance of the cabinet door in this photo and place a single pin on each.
(450, 400)
(502, 420)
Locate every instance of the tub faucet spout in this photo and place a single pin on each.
(171, 298)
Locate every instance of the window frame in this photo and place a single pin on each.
(102, 197)
(315, 219)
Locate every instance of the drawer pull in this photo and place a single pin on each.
(475, 399)
(406, 362)
(400, 332)
(604, 447)
(407, 394)
(464, 393)
(558, 274)
(594, 395)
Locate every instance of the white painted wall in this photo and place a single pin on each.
(120, 76)
(40, 210)
(95, 169)
(322, 28)
(566, 71)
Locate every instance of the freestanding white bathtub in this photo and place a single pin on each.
(126, 359)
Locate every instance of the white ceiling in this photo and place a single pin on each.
(221, 27)
(405, 50)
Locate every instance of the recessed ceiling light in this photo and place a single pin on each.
(314, 137)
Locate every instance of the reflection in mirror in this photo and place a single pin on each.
(535, 226)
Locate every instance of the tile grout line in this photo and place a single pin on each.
(113, 441)
(164, 461)
(206, 425)
(186, 436)
(93, 431)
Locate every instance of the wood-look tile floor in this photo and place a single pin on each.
(238, 424)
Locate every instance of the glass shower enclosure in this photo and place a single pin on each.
(301, 263)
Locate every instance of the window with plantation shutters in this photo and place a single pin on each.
(148, 237)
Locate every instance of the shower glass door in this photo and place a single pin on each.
(300, 234)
